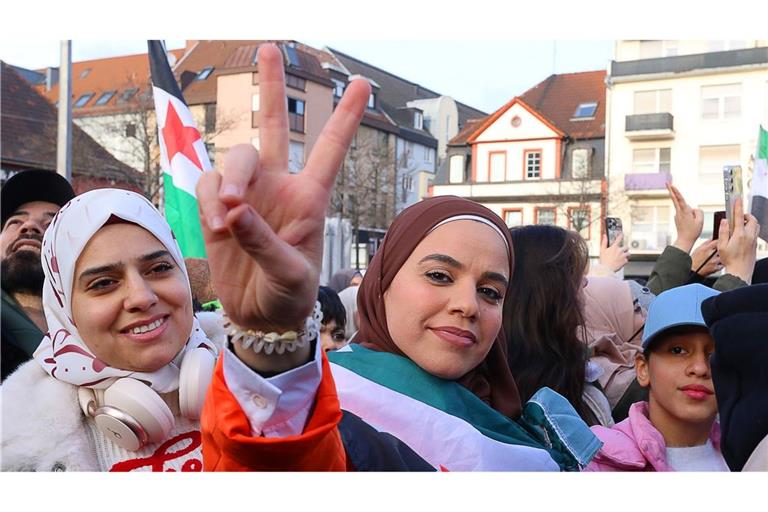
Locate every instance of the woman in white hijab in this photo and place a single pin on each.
(118, 381)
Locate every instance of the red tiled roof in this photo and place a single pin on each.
(469, 128)
(102, 75)
(557, 98)
(29, 136)
(555, 101)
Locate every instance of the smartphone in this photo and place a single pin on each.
(733, 188)
(719, 215)
(613, 229)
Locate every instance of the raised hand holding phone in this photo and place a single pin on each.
(738, 249)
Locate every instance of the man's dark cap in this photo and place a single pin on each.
(35, 185)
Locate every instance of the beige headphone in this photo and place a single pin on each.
(132, 415)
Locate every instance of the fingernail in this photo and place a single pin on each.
(216, 223)
(232, 190)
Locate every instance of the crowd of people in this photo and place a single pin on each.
(465, 346)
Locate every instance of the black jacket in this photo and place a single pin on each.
(738, 321)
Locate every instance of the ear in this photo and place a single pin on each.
(641, 368)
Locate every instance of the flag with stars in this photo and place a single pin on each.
(183, 157)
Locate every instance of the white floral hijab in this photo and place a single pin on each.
(62, 352)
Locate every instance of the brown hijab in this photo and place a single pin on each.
(491, 380)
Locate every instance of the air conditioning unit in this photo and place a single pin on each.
(638, 244)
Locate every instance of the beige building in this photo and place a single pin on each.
(678, 111)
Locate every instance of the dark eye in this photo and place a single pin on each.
(338, 336)
(11, 222)
(161, 268)
(677, 350)
(101, 284)
(438, 277)
(490, 293)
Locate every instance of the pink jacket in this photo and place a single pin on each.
(635, 444)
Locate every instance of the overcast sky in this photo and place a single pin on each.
(482, 74)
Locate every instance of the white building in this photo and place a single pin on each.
(679, 111)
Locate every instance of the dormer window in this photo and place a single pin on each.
(202, 75)
(84, 73)
(82, 100)
(585, 110)
(104, 98)
(338, 88)
(418, 120)
(372, 100)
(127, 94)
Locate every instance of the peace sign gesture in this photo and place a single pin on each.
(263, 227)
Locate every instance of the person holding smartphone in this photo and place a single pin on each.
(736, 252)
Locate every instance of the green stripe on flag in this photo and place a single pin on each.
(181, 214)
(762, 144)
(404, 376)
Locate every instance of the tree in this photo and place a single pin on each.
(364, 187)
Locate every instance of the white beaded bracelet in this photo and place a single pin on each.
(275, 342)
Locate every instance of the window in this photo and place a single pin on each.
(210, 149)
(545, 215)
(130, 130)
(418, 120)
(210, 117)
(296, 114)
(127, 94)
(372, 100)
(585, 110)
(579, 219)
(653, 102)
(85, 98)
(533, 164)
(428, 154)
(456, 172)
(513, 218)
(650, 228)
(338, 88)
(721, 101)
(497, 165)
(295, 82)
(651, 160)
(650, 49)
(408, 183)
(713, 158)
(295, 156)
(104, 98)
(84, 73)
(202, 75)
(580, 163)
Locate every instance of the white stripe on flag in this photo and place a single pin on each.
(439, 438)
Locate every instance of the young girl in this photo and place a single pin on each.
(676, 430)
(118, 381)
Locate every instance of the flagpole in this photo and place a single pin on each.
(64, 132)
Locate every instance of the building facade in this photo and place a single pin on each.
(678, 111)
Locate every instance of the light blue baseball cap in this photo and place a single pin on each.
(676, 307)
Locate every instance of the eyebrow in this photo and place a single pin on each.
(25, 212)
(117, 266)
(444, 258)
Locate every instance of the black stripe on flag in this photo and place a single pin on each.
(162, 76)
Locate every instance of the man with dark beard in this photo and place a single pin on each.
(30, 199)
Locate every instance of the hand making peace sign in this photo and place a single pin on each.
(264, 227)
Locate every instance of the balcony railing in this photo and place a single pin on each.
(649, 126)
(646, 181)
(683, 63)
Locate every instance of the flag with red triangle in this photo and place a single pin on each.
(183, 156)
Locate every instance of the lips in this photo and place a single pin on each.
(697, 391)
(147, 329)
(28, 244)
(455, 336)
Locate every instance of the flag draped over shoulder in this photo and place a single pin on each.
(442, 421)
(183, 157)
(759, 187)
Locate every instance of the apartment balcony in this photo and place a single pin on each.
(649, 126)
(647, 184)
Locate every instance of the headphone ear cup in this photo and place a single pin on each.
(143, 405)
(195, 375)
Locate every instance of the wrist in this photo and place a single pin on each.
(743, 272)
(684, 244)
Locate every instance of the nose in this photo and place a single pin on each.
(139, 294)
(464, 299)
(699, 365)
(32, 225)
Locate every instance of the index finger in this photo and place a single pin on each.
(328, 153)
(738, 215)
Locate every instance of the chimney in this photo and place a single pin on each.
(51, 78)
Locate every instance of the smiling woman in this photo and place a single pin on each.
(125, 365)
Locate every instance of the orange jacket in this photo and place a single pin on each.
(229, 446)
